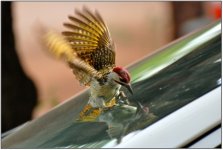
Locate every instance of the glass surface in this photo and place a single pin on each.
(182, 82)
(164, 82)
(173, 87)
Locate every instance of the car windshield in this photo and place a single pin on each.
(182, 82)
(163, 85)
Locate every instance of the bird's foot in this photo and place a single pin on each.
(89, 113)
(122, 99)
(108, 108)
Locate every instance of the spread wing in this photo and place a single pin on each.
(87, 47)
(59, 47)
(90, 40)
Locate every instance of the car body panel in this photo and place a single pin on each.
(171, 79)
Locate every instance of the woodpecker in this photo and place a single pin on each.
(89, 50)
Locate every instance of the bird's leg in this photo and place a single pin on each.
(110, 104)
(122, 98)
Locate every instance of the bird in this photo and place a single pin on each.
(89, 50)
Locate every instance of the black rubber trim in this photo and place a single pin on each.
(202, 136)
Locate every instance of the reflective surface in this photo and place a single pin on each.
(185, 80)
(164, 82)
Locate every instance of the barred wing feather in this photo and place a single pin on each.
(60, 48)
(90, 40)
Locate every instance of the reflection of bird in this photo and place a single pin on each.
(89, 50)
(123, 119)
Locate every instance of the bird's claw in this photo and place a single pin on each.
(108, 108)
(122, 99)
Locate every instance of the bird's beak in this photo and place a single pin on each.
(127, 85)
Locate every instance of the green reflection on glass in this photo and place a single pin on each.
(173, 53)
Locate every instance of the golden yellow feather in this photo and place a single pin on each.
(58, 46)
(61, 49)
(87, 47)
